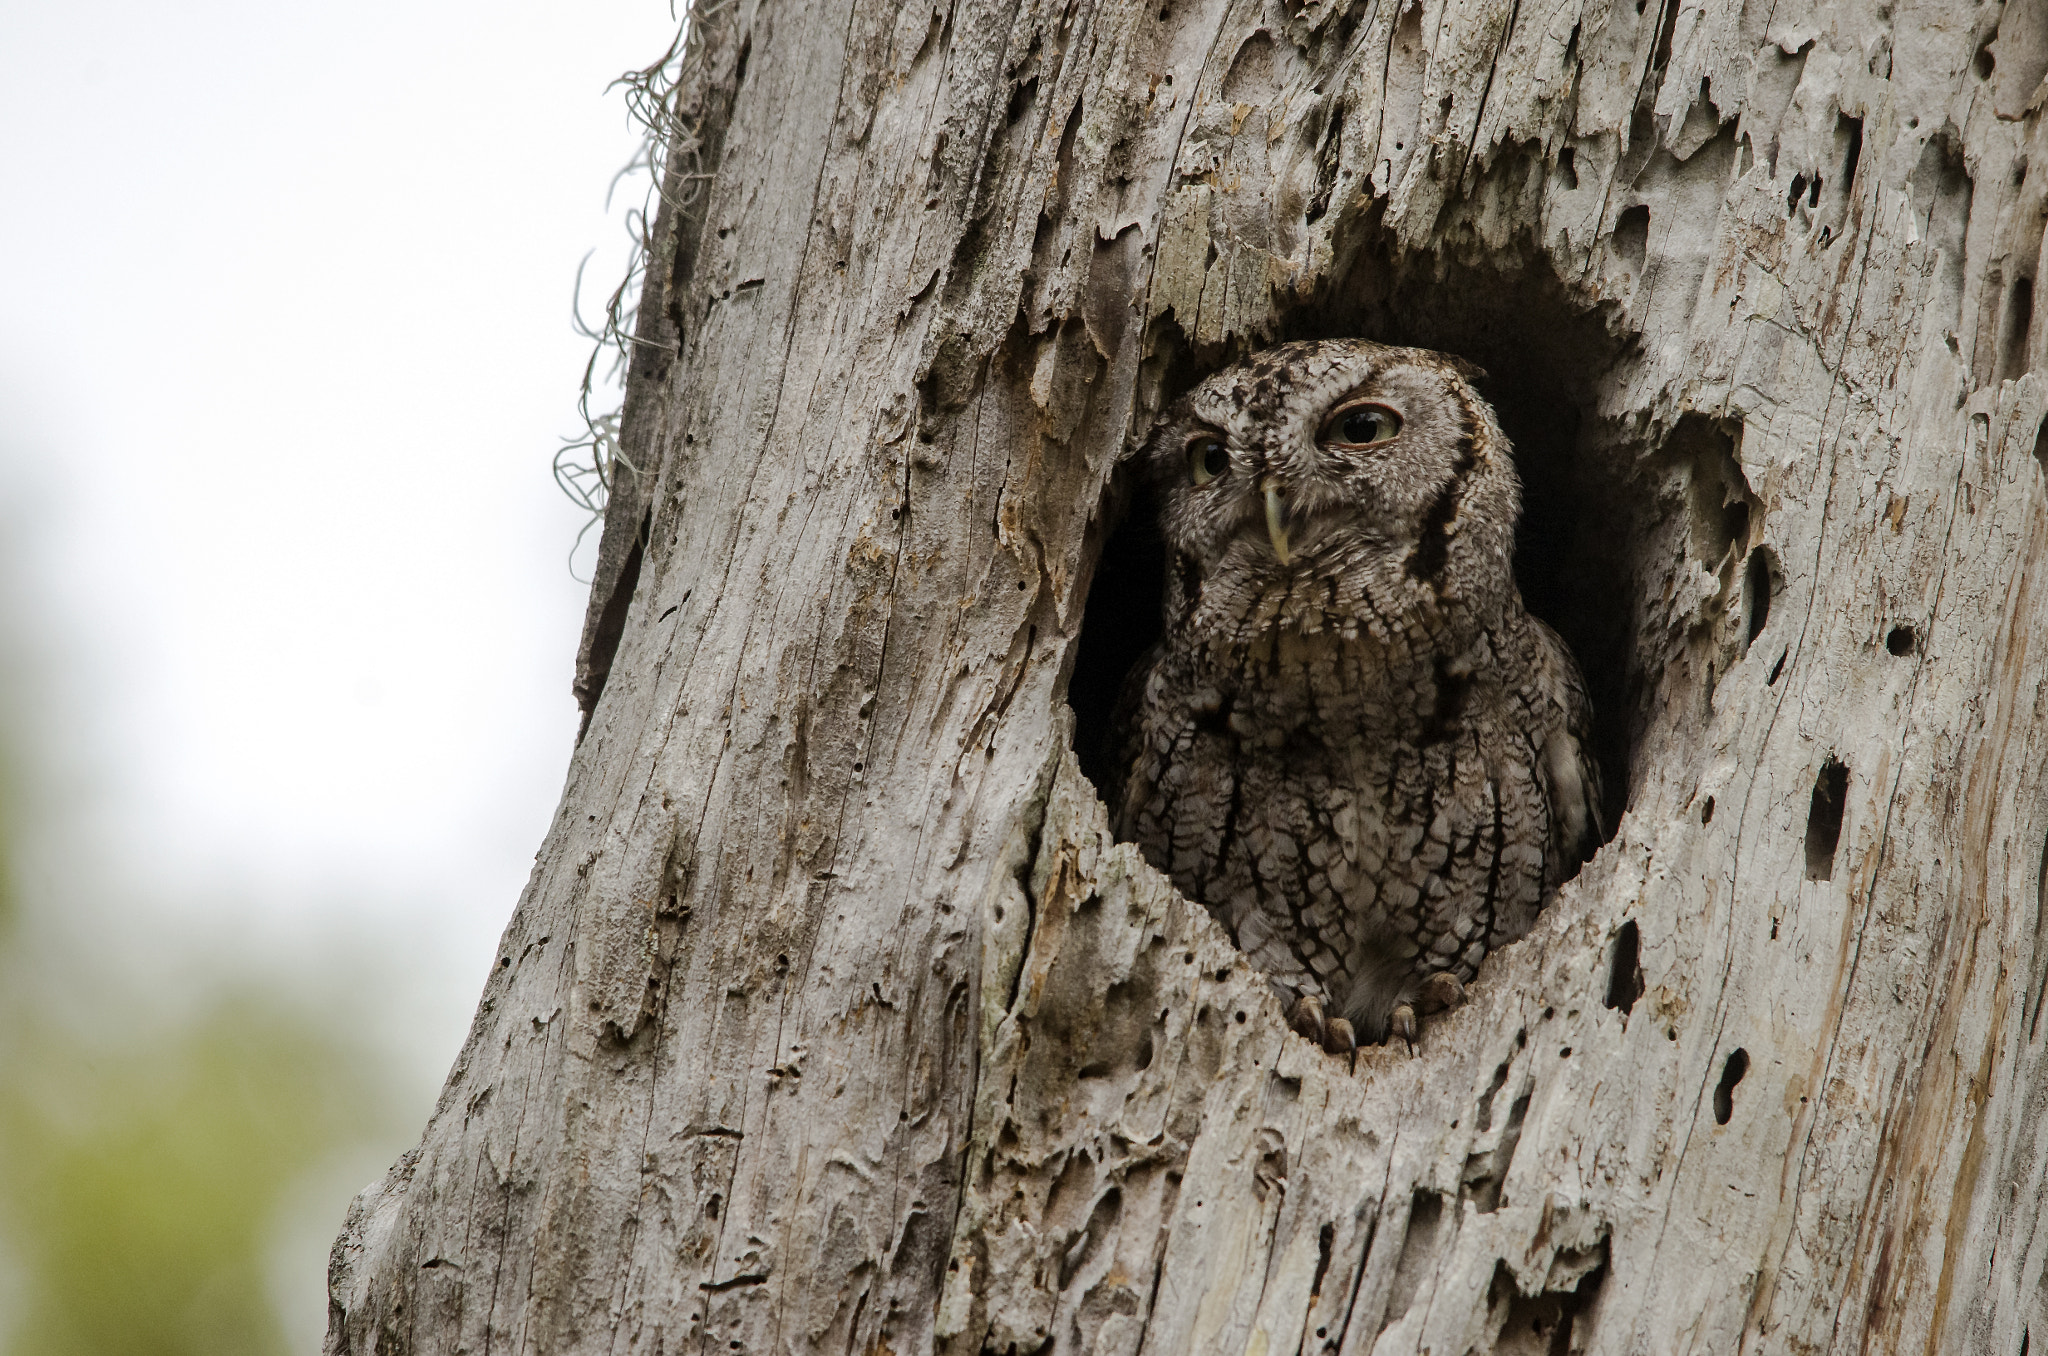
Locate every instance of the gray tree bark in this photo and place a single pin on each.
(834, 1020)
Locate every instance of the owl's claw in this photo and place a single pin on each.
(1338, 1037)
(1440, 993)
(1306, 1017)
(1402, 1023)
(1334, 1034)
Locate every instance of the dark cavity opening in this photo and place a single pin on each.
(1121, 623)
(1625, 975)
(1632, 237)
(1724, 1091)
(1665, 30)
(1901, 640)
(1547, 1322)
(1824, 820)
(2019, 329)
(1849, 130)
(1756, 596)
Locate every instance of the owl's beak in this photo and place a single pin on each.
(1276, 518)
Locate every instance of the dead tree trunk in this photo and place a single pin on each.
(834, 1020)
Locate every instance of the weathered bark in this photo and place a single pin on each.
(833, 1020)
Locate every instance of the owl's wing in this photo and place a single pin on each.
(1571, 777)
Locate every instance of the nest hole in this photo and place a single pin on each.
(1545, 358)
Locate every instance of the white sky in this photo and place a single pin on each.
(284, 355)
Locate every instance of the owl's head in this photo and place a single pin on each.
(1378, 468)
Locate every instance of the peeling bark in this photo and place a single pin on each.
(833, 1019)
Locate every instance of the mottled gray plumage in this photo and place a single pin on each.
(1353, 744)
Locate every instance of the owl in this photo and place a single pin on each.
(1353, 744)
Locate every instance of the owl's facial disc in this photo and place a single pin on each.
(1303, 488)
(1336, 457)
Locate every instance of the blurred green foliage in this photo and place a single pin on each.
(140, 1187)
(177, 1133)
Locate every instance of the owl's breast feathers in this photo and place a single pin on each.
(1362, 805)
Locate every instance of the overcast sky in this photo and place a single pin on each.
(285, 353)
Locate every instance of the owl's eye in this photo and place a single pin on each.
(1361, 425)
(1207, 458)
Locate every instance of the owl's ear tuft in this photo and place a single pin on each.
(1465, 367)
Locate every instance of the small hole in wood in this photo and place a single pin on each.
(2019, 329)
(1707, 811)
(1735, 521)
(1756, 596)
(1632, 236)
(1901, 640)
(1625, 972)
(1724, 1091)
(1824, 820)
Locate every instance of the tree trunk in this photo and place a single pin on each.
(834, 1020)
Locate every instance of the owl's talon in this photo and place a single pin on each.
(1339, 1039)
(1306, 1017)
(1333, 1034)
(1402, 1024)
(1440, 993)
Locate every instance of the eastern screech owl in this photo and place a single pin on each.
(1353, 744)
